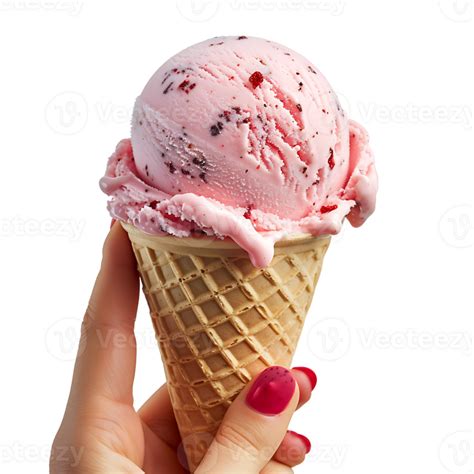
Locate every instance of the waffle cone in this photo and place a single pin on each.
(219, 320)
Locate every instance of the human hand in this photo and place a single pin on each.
(102, 432)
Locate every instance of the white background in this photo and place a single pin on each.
(389, 333)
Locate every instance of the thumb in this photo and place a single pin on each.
(254, 426)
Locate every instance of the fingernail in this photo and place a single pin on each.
(271, 391)
(310, 374)
(306, 441)
(113, 222)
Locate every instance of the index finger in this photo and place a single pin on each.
(107, 356)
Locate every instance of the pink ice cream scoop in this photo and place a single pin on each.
(241, 138)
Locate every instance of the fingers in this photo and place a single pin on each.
(254, 425)
(274, 467)
(306, 380)
(106, 359)
(159, 456)
(114, 298)
(293, 449)
(157, 413)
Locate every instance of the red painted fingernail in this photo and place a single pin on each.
(113, 222)
(310, 374)
(271, 391)
(306, 441)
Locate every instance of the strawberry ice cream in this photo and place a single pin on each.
(241, 138)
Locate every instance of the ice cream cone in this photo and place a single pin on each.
(219, 320)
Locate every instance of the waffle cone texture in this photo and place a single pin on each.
(219, 321)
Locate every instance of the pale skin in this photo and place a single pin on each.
(102, 431)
